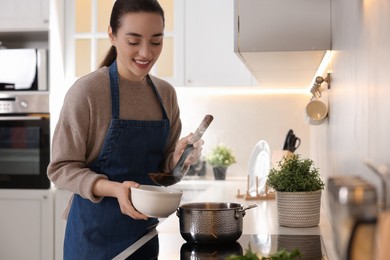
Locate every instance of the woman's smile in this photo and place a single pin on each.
(142, 64)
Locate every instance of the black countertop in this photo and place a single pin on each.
(171, 246)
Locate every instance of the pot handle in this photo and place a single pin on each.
(242, 210)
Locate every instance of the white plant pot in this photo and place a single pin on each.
(298, 209)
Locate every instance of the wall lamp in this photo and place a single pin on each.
(315, 89)
(317, 108)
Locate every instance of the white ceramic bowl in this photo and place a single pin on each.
(155, 201)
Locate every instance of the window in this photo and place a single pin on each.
(86, 35)
(87, 41)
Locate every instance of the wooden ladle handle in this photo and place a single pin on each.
(201, 128)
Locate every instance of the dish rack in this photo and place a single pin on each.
(269, 193)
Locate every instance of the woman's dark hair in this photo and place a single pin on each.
(123, 7)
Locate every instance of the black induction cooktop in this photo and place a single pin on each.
(171, 246)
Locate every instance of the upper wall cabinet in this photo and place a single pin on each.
(24, 15)
(198, 45)
(282, 41)
(209, 57)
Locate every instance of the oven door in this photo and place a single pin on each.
(24, 151)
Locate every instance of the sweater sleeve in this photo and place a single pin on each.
(68, 167)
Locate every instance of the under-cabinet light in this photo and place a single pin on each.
(236, 91)
(323, 69)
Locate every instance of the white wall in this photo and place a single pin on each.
(359, 120)
(243, 117)
(58, 86)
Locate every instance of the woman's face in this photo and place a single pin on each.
(138, 42)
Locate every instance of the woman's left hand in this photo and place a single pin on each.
(123, 194)
(121, 191)
(195, 154)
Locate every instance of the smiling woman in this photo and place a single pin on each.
(117, 124)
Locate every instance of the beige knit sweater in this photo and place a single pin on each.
(85, 118)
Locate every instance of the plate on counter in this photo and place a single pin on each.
(259, 166)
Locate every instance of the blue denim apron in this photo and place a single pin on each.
(130, 151)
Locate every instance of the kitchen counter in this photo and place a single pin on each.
(261, 220)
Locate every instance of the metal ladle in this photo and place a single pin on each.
(178, 172)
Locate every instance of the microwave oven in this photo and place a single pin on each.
(23, 69)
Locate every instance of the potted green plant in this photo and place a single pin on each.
(298, 188)
(220, 158)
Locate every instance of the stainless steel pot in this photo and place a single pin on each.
(211, 222)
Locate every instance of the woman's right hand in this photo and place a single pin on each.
(122, 192)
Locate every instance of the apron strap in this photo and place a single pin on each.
(165, 115)
(114, 83)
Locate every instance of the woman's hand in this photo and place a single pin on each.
(195, 154)
(124, 200)
(122, 192)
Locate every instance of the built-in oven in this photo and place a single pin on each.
(24, 140)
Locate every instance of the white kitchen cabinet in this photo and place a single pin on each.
(209, 57)
(24, 15)
(26, 224)
(283, 42)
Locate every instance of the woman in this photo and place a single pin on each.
(117, 124)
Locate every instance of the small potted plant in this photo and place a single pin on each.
(220, 158)
(298, 187)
